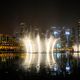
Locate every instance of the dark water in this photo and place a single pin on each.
(10, 70)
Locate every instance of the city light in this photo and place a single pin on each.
(50, 50)
(55, 32)
(67, 33)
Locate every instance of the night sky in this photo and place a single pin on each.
(43, 13)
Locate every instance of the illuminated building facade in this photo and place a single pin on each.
(9, 48)
(64, 51)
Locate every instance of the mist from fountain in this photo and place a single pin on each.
(38, 50)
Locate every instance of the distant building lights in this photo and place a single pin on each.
(58, 45)
(55, 32)
(58, 55)
(67, 33)
(67, 68)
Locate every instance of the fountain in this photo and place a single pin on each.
(38, 50)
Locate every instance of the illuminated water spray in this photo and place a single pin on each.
(76, 51)
(53, 44)
(39, 50)
(28, 47)
(48, 51)
(35, 46)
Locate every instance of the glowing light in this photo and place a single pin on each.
(48, 41)
(35, 47)
(29, 50)
(76, 51)
(67, 33)
(67, 68)
(39, 50)
(55, 67)
(55, 32)
(55, 40)
(28, 44)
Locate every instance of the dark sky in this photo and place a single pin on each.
(43, 13)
